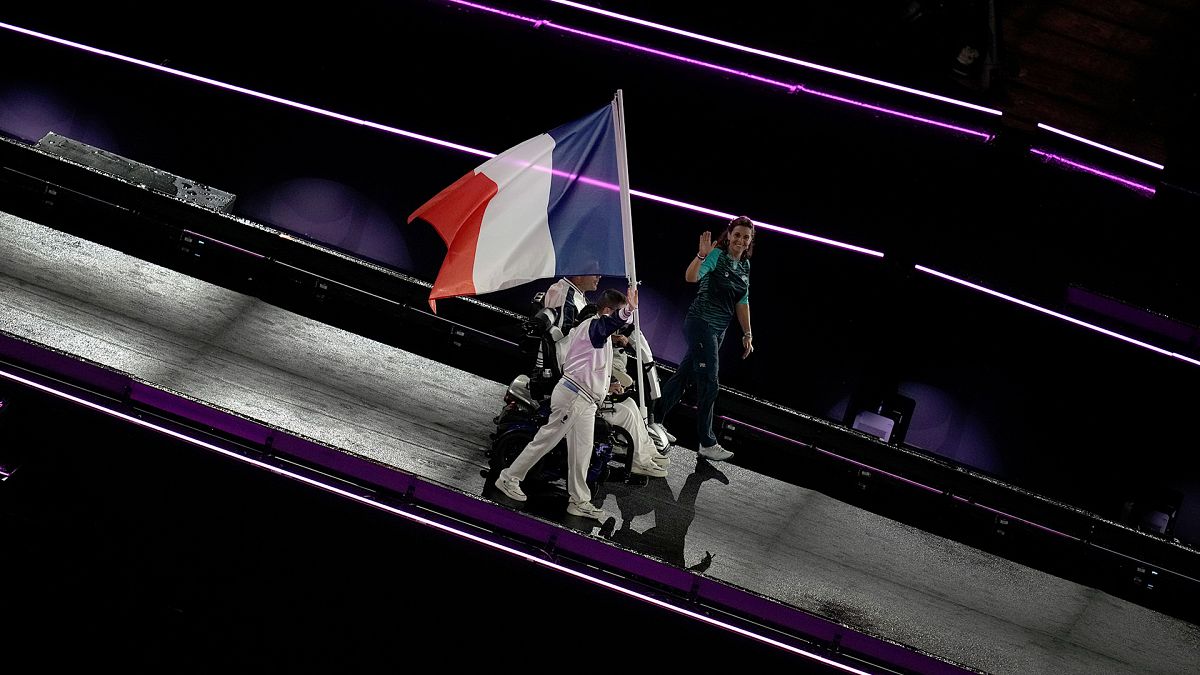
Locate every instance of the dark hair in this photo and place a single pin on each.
(589, 310)
(740, 221)
(612, 299)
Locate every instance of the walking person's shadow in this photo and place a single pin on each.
(672, 515)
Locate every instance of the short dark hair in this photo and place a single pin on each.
(611, 298)
(740, 221)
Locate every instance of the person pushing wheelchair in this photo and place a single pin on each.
(586, 373)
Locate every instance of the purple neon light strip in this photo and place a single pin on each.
(1058, 315)
(431, 523)
(772, 55)
(1094, 144)
(896, 476)
(1012, 517)
(334, 281)
(793, 441)
(226, 244)
(1059, 159)
(658, 52)
(924, 120)
(414, 135)
(790, 87)
(758, 224)
(244, 90)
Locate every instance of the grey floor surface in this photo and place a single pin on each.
(796, 545)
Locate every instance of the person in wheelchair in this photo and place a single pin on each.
(623, 411)
(586, 372)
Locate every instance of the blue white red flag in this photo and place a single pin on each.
(549, 207)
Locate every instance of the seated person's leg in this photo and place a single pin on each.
(626, 415)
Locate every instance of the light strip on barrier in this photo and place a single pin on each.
(407, 134)
(896, 476)
(1094, 144)
(1058, 315)
(788, 86)
(1059, 159)
(431, 523)
(239, 249)
(772, 55)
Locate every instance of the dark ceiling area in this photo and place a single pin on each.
(1123, 73)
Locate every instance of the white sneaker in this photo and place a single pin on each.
(653, 470)
(661, 460)
(510, 487)
(587, 510)
(715, 453)
(666, 434)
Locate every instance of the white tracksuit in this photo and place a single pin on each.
(570, 301)
(587, 369)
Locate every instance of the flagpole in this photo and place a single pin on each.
(627, 232)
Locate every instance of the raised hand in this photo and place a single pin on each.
(706, 244)
(631, 298)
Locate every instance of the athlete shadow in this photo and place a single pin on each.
(672, 515)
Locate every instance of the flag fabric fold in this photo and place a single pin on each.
(544, 208)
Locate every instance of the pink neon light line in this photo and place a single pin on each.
(772, 55)
(790, 87)
(1094, 144)
(1059, 159)
(835, 71)
(408, 134)
(244, 90)
(1058, 315)
(363, 499)
(985, 136)
(668, 55)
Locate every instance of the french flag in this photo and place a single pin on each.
(548, 207)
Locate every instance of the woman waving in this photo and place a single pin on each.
(723, 271)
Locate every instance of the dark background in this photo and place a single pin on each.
(1026, 397)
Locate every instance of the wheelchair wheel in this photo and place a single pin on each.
(508, 446)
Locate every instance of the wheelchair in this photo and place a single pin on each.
(527, 406)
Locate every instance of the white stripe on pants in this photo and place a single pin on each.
(628, 416)
(571, 415)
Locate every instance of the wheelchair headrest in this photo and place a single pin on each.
(544, 318)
